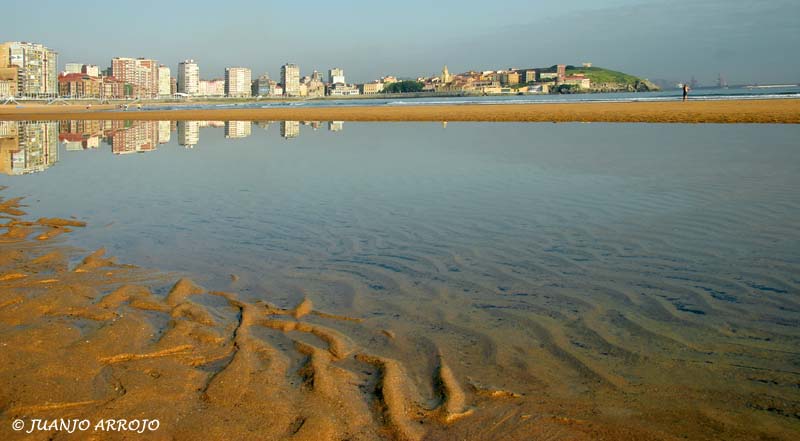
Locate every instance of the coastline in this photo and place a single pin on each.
(783, 111)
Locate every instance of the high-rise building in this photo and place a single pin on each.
(34, 66)
(140, 73)
(290, 77)
(237, 81)
(188, 77)
(163, 81)
(336, 75)
(561, 70)
(173, 85)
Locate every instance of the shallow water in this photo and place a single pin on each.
(624, 267)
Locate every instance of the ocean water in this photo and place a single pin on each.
(631, 268)
(700, 94)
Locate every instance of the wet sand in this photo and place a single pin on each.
(84, 336)
(735, 111)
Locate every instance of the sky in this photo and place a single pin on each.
(746, 41)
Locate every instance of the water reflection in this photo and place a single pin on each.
(583, 264)
(27, 147)
(32, 146)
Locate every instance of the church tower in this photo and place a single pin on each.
(446, 78)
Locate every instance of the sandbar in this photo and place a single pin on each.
(775, 111)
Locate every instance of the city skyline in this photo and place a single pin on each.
(651, 39)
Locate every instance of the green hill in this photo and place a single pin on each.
(609, 80)
(600, 75)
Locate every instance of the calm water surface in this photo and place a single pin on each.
(546, 257)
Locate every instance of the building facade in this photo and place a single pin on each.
(336, 75)
(340, 89)
(78, 85)
(91, 69)
(261, 86)
(164, 88)
(529, 76)
(140, 73)
(509, 78)
(290, 77)
(34, 66)
(215, 87)
(188, 77)
(372, 88)
(237, 81)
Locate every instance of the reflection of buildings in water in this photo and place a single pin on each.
(141, 136)
(335, 126)
(27, 147)
(80, 134)
(263, 124)
(237, 129)
(188, 133)
(290, 129)
(163, 132)
(217, 124)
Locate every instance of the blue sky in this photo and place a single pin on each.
(748, 41)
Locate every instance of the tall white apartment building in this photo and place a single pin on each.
(188, 77)
(237, 81)
(290, 77)
(164, 87)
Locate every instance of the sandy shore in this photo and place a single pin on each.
(735, 111)
(85, 337)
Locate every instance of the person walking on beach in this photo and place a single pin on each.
(686, 90)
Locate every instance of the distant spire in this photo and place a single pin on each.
(446, 75)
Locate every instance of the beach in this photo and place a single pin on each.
(87, 338)
(776, 111)
(402, 281)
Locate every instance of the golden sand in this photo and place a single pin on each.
(735, 111)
